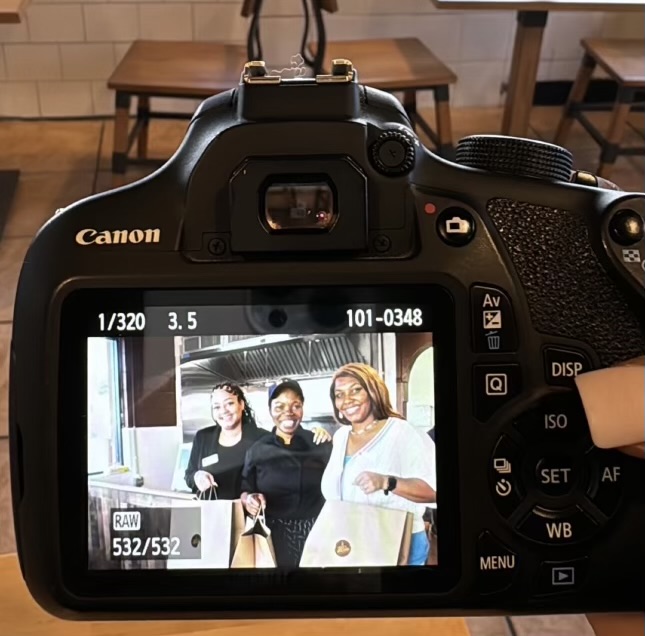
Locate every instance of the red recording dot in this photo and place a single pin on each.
(430, 208)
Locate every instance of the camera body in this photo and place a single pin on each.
(309, 206)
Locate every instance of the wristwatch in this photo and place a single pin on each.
(391, 485)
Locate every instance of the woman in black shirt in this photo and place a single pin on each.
(218, 451)
(282, 473)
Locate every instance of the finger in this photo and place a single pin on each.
(617, 624)
(614, 403)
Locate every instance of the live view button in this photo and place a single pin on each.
(562, 365)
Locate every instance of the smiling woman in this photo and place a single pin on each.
(378, 457)
(282, 474)
(218, 451)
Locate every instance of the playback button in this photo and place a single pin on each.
(492, 319)
(558, 577)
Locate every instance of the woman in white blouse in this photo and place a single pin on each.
(378, 457)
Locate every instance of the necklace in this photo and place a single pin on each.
(369, 427)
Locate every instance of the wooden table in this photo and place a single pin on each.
(11, 12)
(21, 616)
(531, 20)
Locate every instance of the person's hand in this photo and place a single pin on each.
(370, 482)
(204, 480)
(614, 403)
(321, 435)
(254, 503)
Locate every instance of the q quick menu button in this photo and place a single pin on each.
(557, 527)
(493, 321)
(563, 365)
(494, 385)
(496, 564)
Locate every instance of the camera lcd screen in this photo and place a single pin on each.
(281, 435)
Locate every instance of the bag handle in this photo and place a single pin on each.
(261, 519)
(211, 491)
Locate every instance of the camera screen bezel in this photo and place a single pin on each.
(228, 589)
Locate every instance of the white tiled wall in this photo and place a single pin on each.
(56, 63)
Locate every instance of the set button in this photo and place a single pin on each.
(493, 323)
(556, 476)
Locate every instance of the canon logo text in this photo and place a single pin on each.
(117, 237)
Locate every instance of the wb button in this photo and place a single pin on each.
(563, 365)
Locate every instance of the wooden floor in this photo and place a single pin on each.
(61, 162)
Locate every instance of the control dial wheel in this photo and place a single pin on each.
(515, 156)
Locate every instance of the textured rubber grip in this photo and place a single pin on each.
(569, 293)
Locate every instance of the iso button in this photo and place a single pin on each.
(555, 420)
(456, 226)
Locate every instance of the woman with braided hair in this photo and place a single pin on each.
(218, 451)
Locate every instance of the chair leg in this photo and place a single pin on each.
(120, 148)
(410, 106)
(576, 97)
(611, 143)
(444, 125)
(143, 116)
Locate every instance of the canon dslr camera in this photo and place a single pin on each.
(310, 368)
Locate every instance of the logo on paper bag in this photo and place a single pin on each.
(343, 548)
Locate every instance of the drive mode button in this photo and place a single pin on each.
(563, 365)
(497, 565)
(492, 320)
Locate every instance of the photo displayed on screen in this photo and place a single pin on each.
(247, 451)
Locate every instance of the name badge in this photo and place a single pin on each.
(210, 460)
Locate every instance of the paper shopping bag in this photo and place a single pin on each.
(207, 538)
(254, 546)
(348, 534)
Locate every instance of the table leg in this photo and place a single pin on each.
(524, 68)
(8, 185)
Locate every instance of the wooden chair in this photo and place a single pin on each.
(190, 70)
(403, 65)
(623, 61)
